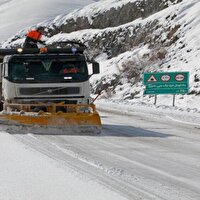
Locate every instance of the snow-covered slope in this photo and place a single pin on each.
(19, 14)
(173, 46)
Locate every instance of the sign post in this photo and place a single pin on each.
(174, 96)
(166, 83)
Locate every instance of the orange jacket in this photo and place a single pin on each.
(70, 71)
(35, 35)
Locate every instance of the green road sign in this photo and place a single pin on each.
(166, 83)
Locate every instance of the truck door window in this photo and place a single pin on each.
(5, 69)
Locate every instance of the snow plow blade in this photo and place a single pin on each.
(80, 119)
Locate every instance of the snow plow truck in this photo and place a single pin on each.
(49, 87)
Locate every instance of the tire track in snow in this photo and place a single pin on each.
(99, 172)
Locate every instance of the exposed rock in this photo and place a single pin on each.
(113, 17)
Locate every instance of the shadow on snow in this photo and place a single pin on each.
(110, 130)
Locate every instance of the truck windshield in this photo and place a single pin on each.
(58, 70)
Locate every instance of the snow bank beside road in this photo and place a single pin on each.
(181, 115)
(27, 174)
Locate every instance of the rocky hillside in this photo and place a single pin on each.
(130, 37)
(117, 33)
(113, 14)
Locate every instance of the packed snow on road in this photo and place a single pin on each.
(140, 154)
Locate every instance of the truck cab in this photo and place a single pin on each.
(53, 76)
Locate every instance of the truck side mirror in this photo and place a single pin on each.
(95, 68)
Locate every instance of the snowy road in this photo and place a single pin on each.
(135, 157)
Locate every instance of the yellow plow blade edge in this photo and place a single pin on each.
(85, 122)
(64, 119)
(81, 116)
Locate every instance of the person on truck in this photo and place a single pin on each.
(33, 37)
(69, 68)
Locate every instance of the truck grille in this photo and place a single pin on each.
(49, 91)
